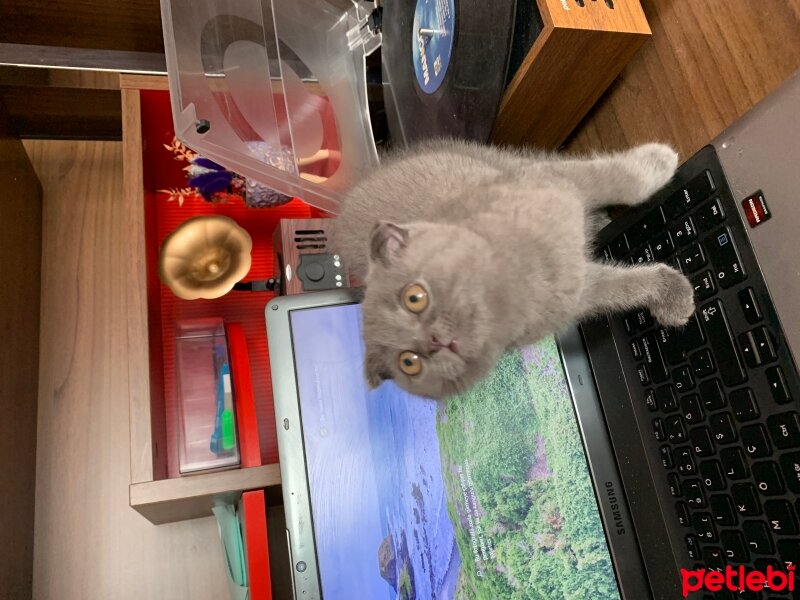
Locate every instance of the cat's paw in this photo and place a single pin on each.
(656, 164)
(675, 304)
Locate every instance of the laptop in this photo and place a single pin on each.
(615, 460)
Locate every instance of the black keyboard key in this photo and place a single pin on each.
(682, 378)
(693, 258)
(733, 463)
(700, 438)
(671, 345)
(768, 478)
(745, 499)
(710, 215)
(666, 457)
(789, 551)
(695, 496)
(725, 258)
(778, 385)
(784, 428)
(703, 284)
(711, 473)
(636, 350)
(650, 400)
(643, 319)
(662, 245)
(683, 232)
(675, 263)
(703, 524)
(667, 401)
(674, 482)
(765, 344)
(702, 364)
(684, 461)
(735, 546)
(698, 189)
(653, 358)
(692, 547)
(723, 510)
(658, 430)
(750, 307)
(683, 514)
(674, 206)
(713, 558)
(721, 339)
(756, 441)
(744, 405)
(722, 428)
(694, 192)
(692, 334)
(643, 373)
(759, 540)
(691, 409)
(675, 343)
(647, 227)
(781, 517)
(761, 564)
(747, 345)
(642, 256)
(790, 465)
(712, 394)
(620, 246)
(629, 323)
(607, 255)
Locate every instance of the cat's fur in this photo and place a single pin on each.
(502, 241)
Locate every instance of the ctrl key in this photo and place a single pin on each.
(658, 430)
(692, 547)
(785, 430)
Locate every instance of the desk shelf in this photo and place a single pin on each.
(156, 489)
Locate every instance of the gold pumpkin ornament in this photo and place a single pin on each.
(205, 257)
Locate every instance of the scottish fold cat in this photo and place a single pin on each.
(468, 250)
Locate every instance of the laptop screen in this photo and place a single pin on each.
(485, 496)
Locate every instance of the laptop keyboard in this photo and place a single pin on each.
(718, 392)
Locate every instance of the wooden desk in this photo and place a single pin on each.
(707, 63)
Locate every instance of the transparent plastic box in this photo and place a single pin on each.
(274, 90)
(206, 411)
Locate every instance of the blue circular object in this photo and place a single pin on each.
(432, 42)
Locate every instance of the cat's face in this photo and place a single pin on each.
(427, 318)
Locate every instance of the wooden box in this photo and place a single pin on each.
(155, 492)
(582, 47)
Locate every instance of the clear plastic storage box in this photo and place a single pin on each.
(206, 412)
(274, 90)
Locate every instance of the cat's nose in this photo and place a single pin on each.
(436, 345)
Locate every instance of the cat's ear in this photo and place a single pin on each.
(374, 369)
(387, 243)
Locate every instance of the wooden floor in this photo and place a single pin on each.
(707, 62)
(88, 543)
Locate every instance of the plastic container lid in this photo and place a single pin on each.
(274, 90)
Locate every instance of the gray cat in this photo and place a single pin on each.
(468, 250)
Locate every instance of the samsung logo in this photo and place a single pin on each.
(754, 211)
(616, 511)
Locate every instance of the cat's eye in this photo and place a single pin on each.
(415, 298)
(410, 363)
